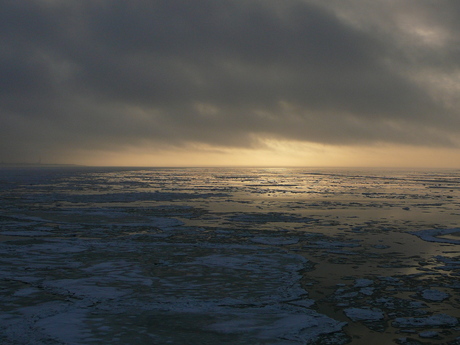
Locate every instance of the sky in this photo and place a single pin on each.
(230, 82)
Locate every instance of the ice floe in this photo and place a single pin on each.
(438, 320)
(434, 295)
(275, 240)
(364, 314)
(290, 328)
(360, 283)
(428, 334)
(434, 235)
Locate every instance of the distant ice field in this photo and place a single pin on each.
(229, 256)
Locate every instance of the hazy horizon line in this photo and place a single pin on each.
(44, 165)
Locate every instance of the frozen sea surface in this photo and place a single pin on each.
(229, 256)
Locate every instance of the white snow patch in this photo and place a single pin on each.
(450, 263)
(361, 314)
(434, 295)
(428, 334)
(274, 323)
(58, 246)
(33, 233)
(332, 245)
(432, 235)
(391, 280)
(368, 291)
(85, 288)
(306, 303)
(359, 283)
(380, 246)
(439, 320)
(253, 262)
(158, 222)
(68, 327)
(275, 240)
(26, 292)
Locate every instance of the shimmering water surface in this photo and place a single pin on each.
(229, 256)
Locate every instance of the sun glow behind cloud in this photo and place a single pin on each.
(277, 153)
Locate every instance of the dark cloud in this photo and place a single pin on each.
(105, 74)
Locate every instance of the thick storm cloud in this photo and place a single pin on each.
(105, 74)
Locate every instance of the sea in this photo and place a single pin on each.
(192, 256)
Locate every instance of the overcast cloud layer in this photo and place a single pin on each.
(104, 74)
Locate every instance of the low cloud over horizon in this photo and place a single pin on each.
(82, 76)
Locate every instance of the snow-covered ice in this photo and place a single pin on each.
(428, 334)
(364, 314)
(438, 320)
(435, 235)
(434, 295)
(240, 256)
